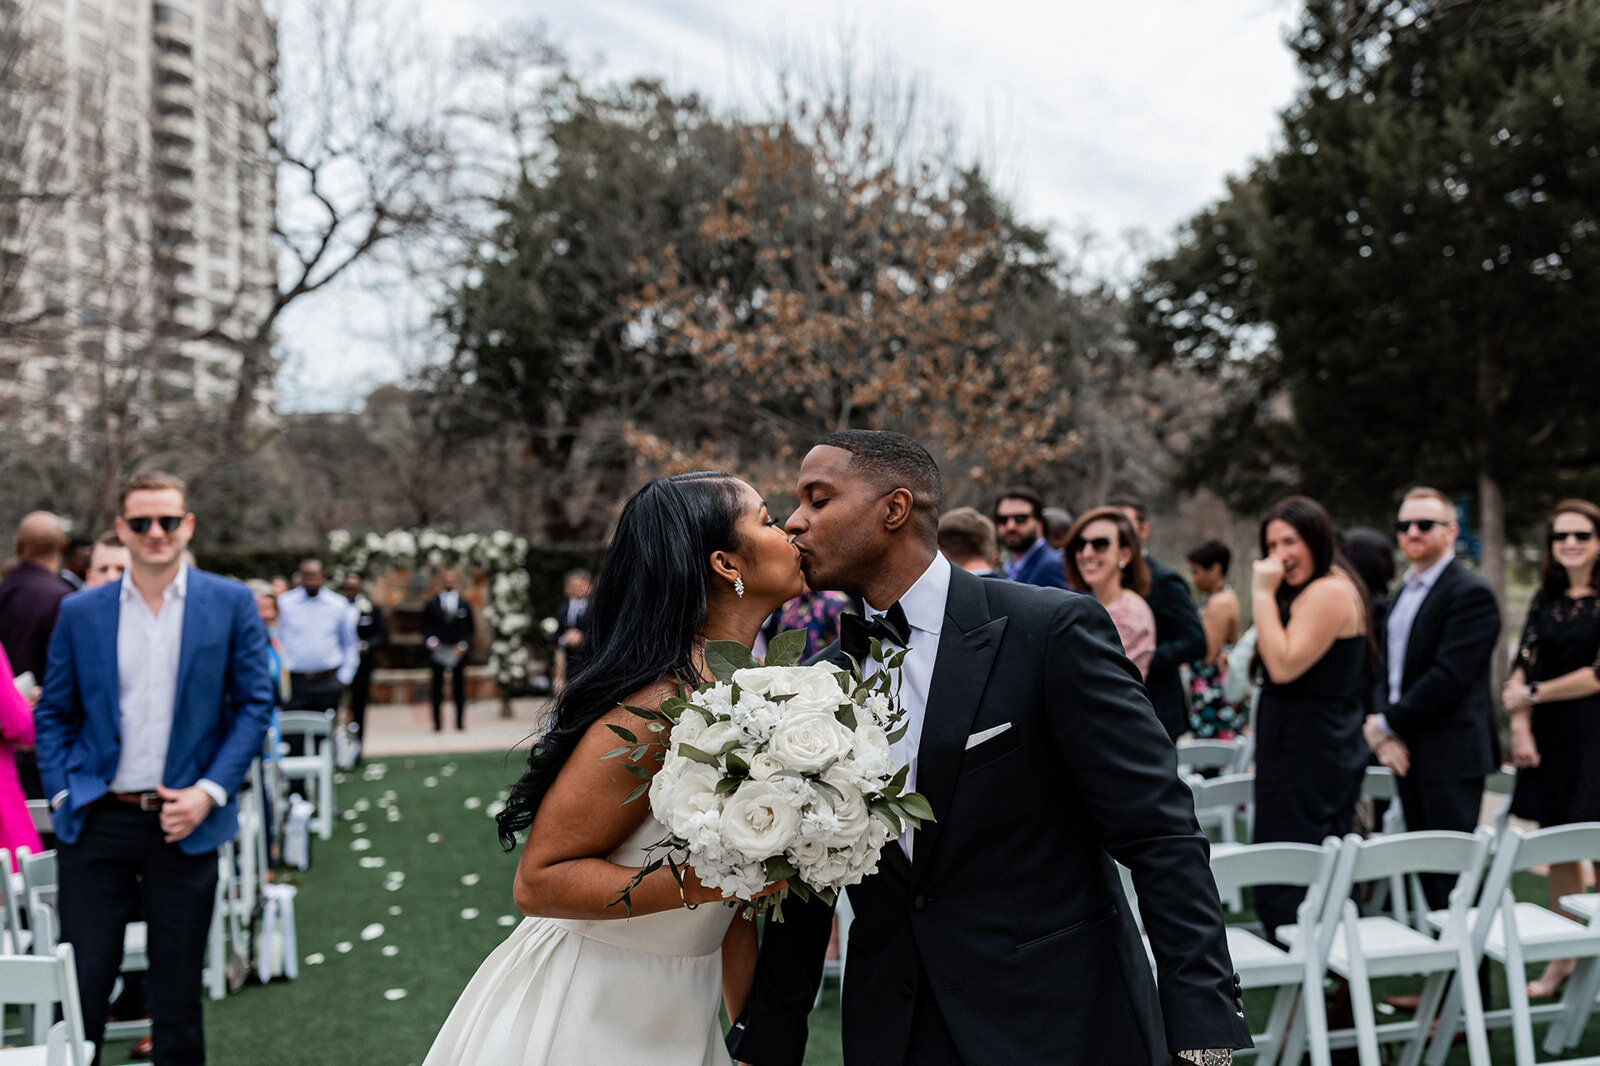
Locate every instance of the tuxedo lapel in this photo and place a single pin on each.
(967, 649)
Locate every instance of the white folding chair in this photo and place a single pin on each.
(1295, 973)
(1514, 933)
(1503, 782)
(1360, 949)
(1380, 785)
(15, 936)
(41, 983)
(1195, 755)
(1218, 803)
(315, 766)
(39, 812)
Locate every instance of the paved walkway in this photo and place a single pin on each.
(407, 728)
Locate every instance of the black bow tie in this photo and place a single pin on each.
(856, 633)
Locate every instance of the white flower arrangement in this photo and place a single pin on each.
(501, 554)
(775, 773)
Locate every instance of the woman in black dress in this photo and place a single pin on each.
(1314, 641)
(1553, 696)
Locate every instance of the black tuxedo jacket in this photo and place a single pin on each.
(1180, 638)
(1012, 910)
(452, 630)
(1446, 710)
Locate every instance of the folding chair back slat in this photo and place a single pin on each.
(1303, 865)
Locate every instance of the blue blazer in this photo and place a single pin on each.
(1044, 569)
(224, 702)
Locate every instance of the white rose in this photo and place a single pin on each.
(764, 680)
(763, 765)
(759, 819)
(716, 737)
(807, 852)
(807, 741)
(688, 728)
(681, 789)
(851, 812)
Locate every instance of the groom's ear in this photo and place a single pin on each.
(899, 512)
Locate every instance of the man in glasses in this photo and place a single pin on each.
(156, 699)
(1434, 722)
(1019, 522)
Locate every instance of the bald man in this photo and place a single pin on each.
(29, 599)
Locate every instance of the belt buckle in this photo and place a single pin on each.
(149, 801)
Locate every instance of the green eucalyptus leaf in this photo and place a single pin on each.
(778, 868)
(846, 715)
(637, 771)
(916, 805)
(723, 657)
(636, 793)
(737, 765)
(614, 752)
(726, 785)
(689, 751)
(787, 648)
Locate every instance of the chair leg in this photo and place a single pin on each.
(1589, 971)
(1270, 1042)
(1360, 992)
(1427, 1010)
(1517, 992)
(1314, 1013)
(1472, 1001)
(1449, 1024)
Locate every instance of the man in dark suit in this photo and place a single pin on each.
(998, 932)
(570, 614)
(1180, 635)
(30, 598)
(447, 627)
(1019, 522)
(372, 634)
(156, 699)
(1434, 723)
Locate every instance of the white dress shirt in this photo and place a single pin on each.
(1404, 613)
(448, 603)
(148, 648)
(318, 633)
(923, 604)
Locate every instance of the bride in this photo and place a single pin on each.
(695, 558)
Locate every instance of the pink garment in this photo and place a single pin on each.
(1136, 624)
(16, 728)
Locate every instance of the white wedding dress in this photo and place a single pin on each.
(621, 992)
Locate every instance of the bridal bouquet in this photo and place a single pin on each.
(776, 772)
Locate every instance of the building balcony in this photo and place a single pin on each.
(175, 126)
(175, 94)
(175, 154)
(174, 64)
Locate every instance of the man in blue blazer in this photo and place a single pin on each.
(156, 699)
(1019, 522)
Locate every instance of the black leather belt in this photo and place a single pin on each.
(313, 675)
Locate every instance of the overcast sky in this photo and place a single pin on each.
(1118, 118)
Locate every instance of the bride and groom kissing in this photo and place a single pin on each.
(997, 933)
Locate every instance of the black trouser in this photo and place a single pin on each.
(930, 1042)
(1440, 805)
(320, 691)
(458, 688)
(119, 868)
(361, 695)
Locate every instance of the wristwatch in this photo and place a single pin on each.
(1533, 692)
(1210, 1057)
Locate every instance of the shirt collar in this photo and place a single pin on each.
(178, 588)
(1427, 578)
(924, 601)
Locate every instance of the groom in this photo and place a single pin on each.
(999, 932)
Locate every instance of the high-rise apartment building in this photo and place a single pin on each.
(140, 254)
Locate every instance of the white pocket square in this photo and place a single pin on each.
(988, 734)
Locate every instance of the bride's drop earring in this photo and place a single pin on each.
(738, 587)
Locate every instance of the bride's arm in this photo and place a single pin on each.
(738, 964)
(564, 871)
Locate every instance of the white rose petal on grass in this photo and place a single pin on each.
(395, 912)
(372, 932)
(316, 958)
(393, 814)
(468, 913)
(393, 994)
(507, 920)
(389, 951)
(362, 804)
(361, 844)
(434, 838)
(373, 862)
(472, 803)
(447, 770)
(343, 947)
(469, 879)
(430, 782)
(494, 808)
(359, 827)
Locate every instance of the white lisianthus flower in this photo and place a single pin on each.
(871, 760)
(850, 813)
(807, 741)
(879, 707)
(760, 820)
(735, 881)
(716, 737)
(807, 852)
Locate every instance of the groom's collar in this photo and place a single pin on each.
(924, 601)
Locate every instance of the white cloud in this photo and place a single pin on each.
(1115, 117)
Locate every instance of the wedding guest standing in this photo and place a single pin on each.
(1313, 640)
(372, 634)
(16, 728)
(1019, 522)
(967, 539)
(447, 628)
(1180, 637)
(1210, 712)
(1553, 696)
(1103, 559)
(571, 648)
(30, 597)
(107, 561)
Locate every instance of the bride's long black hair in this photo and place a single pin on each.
(648, 606)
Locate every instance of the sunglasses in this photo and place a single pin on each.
(168, 522)
(1424, 525)
(1096, 544)
(1582, 536)
(1010, 519)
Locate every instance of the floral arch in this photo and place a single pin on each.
(500, 554)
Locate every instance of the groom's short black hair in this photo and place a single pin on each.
(892, 461)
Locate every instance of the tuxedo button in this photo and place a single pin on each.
(919, 903)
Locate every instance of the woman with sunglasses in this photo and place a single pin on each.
(1314, 642)
(1553, 696)
(1104, 558)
